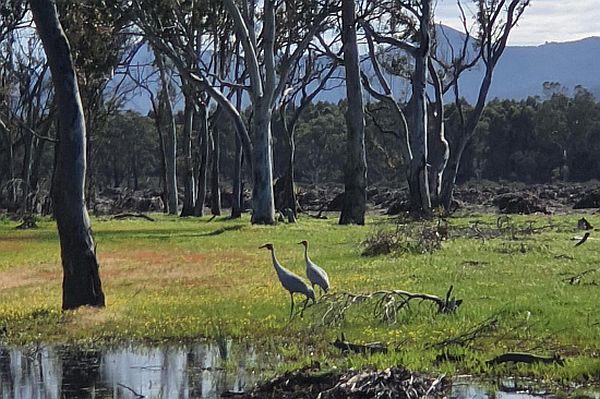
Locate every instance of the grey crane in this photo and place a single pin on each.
(290, 281)
(315, 274)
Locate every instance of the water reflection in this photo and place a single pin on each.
(178, 372)
(507, 388)
(181, 372)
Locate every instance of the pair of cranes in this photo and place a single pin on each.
(294, 283)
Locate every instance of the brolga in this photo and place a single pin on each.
(290, 281)
(315, 274)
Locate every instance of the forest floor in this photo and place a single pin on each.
(524, 284)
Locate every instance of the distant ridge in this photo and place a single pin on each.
(520, 73)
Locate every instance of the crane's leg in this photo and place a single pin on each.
(292, 308)
(304, 307)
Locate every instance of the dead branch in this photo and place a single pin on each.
(386, 304)
(583, 239)
(577, 278)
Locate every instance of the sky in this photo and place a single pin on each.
(543, 21)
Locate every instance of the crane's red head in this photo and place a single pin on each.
(269, 246)
(304, 242)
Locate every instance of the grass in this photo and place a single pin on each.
(184, 279)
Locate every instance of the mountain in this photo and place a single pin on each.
(520, 73)
(522, 70)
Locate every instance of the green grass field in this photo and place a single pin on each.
(183, 279)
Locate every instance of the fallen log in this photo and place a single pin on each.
(371, 347)
(29, 222)
(528, 358)
(132, 215)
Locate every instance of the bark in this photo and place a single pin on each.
(167, 123)
(189, 184)
(288, 195)
(81, 278)
(35, 167)
(439, 150)
(215, 185)
(90, 175)
(236, 201)
(263, 204)
(418, 180)
(238, 159)
(355, 173)
(203, 144)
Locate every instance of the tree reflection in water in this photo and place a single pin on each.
(182, 372)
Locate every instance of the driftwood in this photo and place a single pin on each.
(371, 347)
(132, 215)
(387, 304)
(529, 358)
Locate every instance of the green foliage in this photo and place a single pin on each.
(174, 280)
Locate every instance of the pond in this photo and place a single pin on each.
(170, 371)
(187, 371)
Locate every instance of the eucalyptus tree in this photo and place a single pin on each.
(11, 19)
(312, 76)
(25, 117)
(168, 133)
(494, 19)
(355, 170)
(81, 278)
(268, 61)
(414, 19)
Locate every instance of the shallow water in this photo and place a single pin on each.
(182, 372)
(165, 372)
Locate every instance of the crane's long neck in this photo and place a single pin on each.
(306, 253)
(276, 264)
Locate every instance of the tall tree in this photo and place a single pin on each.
(355, 170)
(166, 124)
(81, 278)
(416, 19)
(495, 20)
(189, 182)
(268, 61)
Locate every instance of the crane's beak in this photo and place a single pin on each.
(264, 246)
